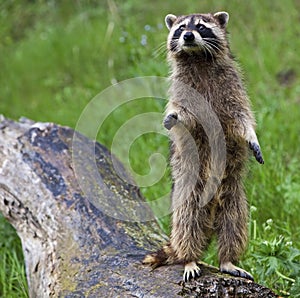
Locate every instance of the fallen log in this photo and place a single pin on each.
(77, 220)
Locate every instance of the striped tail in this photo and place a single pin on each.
(161, 257)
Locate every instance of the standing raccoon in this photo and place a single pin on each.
(204, 73)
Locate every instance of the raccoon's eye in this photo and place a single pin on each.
(182, 27)
(200, 26)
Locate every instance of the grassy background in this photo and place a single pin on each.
(57, 55)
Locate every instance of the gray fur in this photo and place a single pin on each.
(208, 156)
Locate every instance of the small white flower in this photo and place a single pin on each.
(144, 40)
(147, 27)
(269, 221)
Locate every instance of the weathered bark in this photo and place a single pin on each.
(73, 245)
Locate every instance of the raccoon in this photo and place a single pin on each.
(204, 73)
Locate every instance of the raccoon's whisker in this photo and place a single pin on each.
(209, 47)
(161, 50)
(205, 50)
(159, 54)
(212, 42)
(208, 50)
(214, 46)
(162, 45)
(213, 49)
(211, 39)
(174, 45)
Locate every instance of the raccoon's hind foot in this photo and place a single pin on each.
(191, 270)
(229, 268)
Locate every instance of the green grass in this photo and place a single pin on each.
(57, 55)
(13, 282)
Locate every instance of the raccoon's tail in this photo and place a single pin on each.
(163, 256)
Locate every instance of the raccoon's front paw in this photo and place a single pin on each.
(256, 152)
(191, 270)
(170, 121)
(229, 268)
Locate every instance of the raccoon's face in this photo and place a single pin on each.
(197, 33)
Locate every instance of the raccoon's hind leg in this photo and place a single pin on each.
(231, 226)
(191, 232)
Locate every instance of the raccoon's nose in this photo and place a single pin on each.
(189, 36)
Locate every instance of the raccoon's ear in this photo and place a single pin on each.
(169, 20)
(222, 18)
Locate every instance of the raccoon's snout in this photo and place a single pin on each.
(189, 36)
